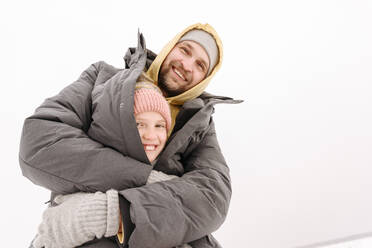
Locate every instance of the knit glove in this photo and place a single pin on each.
(158, 176)
(79, 218)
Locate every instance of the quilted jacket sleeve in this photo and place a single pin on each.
(56, 153)
(182, 210)
(205, 242)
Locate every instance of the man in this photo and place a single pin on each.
(59, 152)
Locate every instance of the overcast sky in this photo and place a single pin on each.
(299, 147)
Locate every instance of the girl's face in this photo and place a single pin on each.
(152, 130)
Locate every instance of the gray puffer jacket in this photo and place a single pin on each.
(85, 139)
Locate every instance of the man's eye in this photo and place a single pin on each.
(201, 66)
(140, 124)
(185, 50)
(160, 126)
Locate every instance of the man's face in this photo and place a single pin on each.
(185, 66)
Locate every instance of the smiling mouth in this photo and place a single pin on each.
(149, 147)
(179, 73)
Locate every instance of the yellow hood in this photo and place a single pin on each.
(198, 89)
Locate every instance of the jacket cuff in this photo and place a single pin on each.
(127, 223)
(112, 223)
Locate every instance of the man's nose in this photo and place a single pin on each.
(187, 64)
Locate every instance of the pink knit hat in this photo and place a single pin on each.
(150, 100)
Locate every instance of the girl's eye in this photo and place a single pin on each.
(140, 124)
(160, 126)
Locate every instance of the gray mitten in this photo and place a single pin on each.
(158, 176)
(79, 218)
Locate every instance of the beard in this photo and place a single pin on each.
(169, 86)
(168, 89)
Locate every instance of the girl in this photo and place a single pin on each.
(153, 120)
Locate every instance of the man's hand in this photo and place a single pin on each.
(79, 218)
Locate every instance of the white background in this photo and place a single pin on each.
(299, 147)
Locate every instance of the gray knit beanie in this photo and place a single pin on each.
(207, 41)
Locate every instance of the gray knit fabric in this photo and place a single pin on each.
(79, 218)
(184, 246)
(207, 41)
(158, 176)
(113, 213)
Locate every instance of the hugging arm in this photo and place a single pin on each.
(56, 153)
(204, 242)
(184, 209)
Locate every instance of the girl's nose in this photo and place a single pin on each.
(149, 133)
